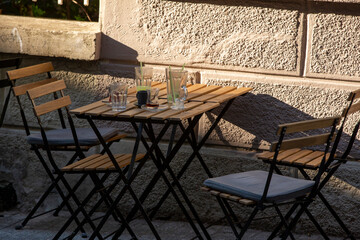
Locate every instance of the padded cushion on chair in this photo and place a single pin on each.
(250, 185)
(86, 136)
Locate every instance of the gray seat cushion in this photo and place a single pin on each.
(250, 185)
(86, 136)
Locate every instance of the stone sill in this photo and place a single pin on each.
(50, 38)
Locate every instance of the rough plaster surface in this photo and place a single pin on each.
(334, 44)
(241, 35)
(44, 37)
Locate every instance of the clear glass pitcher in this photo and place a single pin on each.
(177, 92)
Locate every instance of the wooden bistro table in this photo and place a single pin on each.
(201, 99)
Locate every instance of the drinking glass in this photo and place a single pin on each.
(152, 98)
(176, 87)
(143, 78)
(118, 96)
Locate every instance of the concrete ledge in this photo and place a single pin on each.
(48, 37)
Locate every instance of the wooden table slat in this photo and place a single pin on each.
(202, 92)
(131, 113)
(195, 111)
(171, 112)
(214, 94)
(233, 94)
(99, 110)
(195, 87)
(113, 113)
(148, 114)
(88, 107)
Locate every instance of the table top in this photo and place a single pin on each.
(201, 98)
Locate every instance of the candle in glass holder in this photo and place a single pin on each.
(86, 2)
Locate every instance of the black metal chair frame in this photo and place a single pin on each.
(262, 204)
(7, 63)
(51, 173)
(61, 176)
(330, 167)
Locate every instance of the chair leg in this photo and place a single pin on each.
(295, 220)
(336, 216)
(287, 216)
(283, 221)
(227, 216)
(317, 225)
(248, 222)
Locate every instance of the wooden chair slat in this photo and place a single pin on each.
(117, 137)
(214, 192)
(229, 95)
(46, 89)
(296, 156)
(171, 112)
(247, 202)
(354, 108)
(103, 162)
(356, 93)
(195, 111)
(29, 71)
(302, 161)
(287, 153)
(69, 167)
(316, 162)
(21, 89)
(265, 155)
(123, 161)
(302, 142)
(308, 125)
(53, 105)
(86, 164)
(84, 109)
(202, 92)
(214, 94)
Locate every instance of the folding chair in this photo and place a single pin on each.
(58, 139)
(92, 165)
(261, 189)
(7, 63)
(304, 159)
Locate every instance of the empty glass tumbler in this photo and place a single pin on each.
(176, 87)
(118, 96)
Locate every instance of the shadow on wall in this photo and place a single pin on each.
(113, 49)
(260, 115)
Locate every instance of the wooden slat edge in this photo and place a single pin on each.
(46, 89)
(53, 105)
(30, 71)
(21, 89)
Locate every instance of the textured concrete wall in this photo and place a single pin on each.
(232, 35)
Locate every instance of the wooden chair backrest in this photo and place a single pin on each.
(35, 71)
(303, 126)
(52, 105)
(30, 71)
